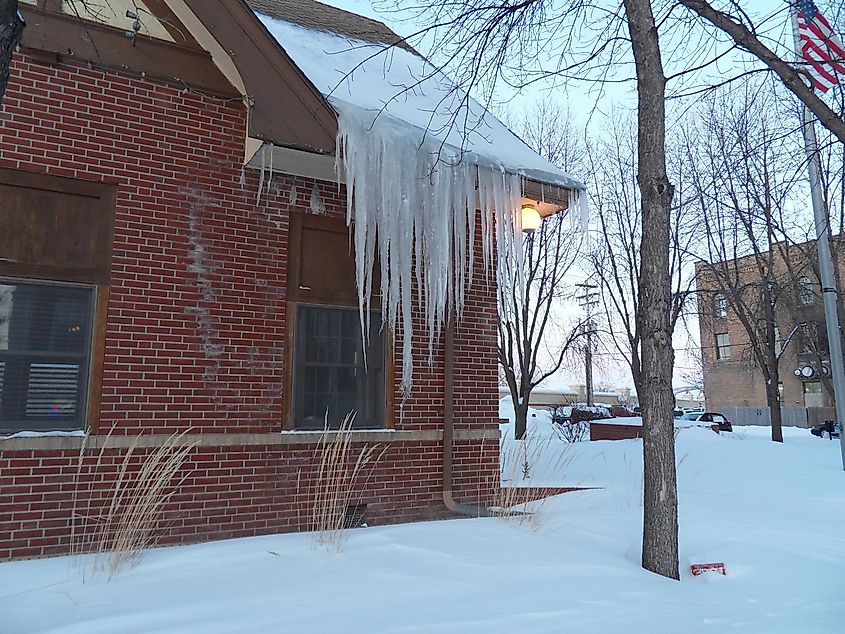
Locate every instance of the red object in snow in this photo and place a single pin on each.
(699, 569)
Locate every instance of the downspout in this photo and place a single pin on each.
(449, 427)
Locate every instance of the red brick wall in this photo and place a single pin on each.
(196, 324)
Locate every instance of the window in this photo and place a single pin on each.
(806, 292)
(778, 341)
(45, 341)
(814, 339)
(812, 387)
(720, 306)
(331, 375)
(723, 346)
(813, 396)
(780, 391)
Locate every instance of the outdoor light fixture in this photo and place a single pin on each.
(530, 218)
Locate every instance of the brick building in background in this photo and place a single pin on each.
(733, 381)
(155, 277)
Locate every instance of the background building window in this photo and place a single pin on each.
(814, 340)
(806, 292)
(45, 343)
(778, 341)
(723, 346)
(812, 394)
(720, 306)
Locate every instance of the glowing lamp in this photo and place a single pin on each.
(530, 218)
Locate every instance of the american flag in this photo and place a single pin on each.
(820, 47)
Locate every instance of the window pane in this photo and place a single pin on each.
(330, 376)
(45, 333)
(806, 291)
(723, 346)
(720, 306)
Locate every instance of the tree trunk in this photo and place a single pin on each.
(660, 494)
(11, 31)
(773, 401)
(520, 410)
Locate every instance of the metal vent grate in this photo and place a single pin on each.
(355, 516)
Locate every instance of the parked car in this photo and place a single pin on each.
(714, 418)
(827, 429)
(579, 412)
(622, 411)
(678, 413)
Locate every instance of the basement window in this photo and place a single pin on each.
(45, 343)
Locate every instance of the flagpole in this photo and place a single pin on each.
(828, 281)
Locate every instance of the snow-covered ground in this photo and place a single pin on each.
(773, 513)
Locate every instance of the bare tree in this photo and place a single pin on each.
(745, 165)
(738, 26)
(614, 257)
(533, 340)
(660, 491)
(532, 343)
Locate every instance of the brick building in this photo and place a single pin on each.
(732, 378)
(174, 256)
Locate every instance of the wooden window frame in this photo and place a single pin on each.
(297, 296)
(104, 201)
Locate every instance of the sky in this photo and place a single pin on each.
(588, 104)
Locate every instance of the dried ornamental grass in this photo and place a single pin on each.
(334, 487)
(135, 502)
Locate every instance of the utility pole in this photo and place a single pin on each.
(828, 282)
(587, 300)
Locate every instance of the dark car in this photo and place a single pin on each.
(621, 411)
(714, 418)
(827, 429)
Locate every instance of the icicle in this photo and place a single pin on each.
(584, 210)
(579, 213)
(413, 203)
(292, 196)
(261, 178)
(242, 179)
(270, 172)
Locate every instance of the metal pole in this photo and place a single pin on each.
(587, 301)
(589, 362)
(829, 295)
(828, 281)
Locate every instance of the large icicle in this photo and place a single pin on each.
(412, 200)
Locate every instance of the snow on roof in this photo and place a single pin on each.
(395, 84)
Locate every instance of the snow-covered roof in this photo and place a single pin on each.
(395, 83)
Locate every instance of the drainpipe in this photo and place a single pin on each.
(469, 510)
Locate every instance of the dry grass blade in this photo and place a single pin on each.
(341, 475)
(134, 502)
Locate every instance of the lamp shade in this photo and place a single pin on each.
(530, 218)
